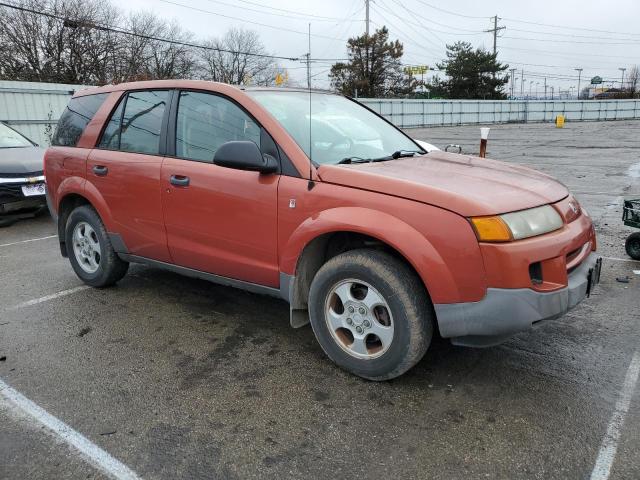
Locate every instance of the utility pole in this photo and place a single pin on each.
(579, 70)
(495, 31)
(513, 72)
(545, 88)
(366, 4)
(622, 80)
(522, 84)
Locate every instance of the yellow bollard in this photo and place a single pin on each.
(559, 121)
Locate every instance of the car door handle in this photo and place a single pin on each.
(100, 170)
(179, 180)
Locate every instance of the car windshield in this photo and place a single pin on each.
(11, 139)
(340, 128)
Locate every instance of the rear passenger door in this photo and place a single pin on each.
(124, 168)
(218, 220)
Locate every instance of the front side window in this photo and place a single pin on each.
(75, 118)
(334, 128)
(136, 124)
(206, 121)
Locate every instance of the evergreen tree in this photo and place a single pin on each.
(374, 68)
(471, 74)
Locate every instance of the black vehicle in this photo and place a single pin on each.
(22, 187)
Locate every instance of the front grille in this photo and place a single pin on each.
(10, 192)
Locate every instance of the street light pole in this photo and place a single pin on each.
(622, 79)
(530, 85)
(579, 70)
(513, 71)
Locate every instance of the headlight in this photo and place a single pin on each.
(517, 225)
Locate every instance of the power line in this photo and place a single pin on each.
(388, 9)
(554, 40)
(565, 27)
(288, 11)
(449, 11)
(110, 28)
(573, 35)
(571, 55)
(416, 14)
(417, 43)
(301, 17)
(279, 28)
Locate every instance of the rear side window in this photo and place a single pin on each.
(75, 118)
(136, 124)
(206, 121)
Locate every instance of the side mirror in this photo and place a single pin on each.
(244, 155)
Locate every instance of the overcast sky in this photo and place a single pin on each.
(603, 37)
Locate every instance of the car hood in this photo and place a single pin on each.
(467, 185)
(21, 160)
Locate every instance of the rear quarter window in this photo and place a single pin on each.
(75, 118)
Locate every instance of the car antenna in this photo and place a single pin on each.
(311, 183)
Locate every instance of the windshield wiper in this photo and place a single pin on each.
(349, 160)
(393, 156)
(397, 154)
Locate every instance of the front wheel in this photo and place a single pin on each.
(371, 314)
(632, 245)
(90, 252)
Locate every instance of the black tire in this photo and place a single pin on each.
(632, 245)
(408, 301)
(110, 267)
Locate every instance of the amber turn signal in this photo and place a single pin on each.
(491, 229)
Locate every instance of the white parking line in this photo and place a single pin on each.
(93, 453)
(46, 298)
(27, 241)
(609, 445)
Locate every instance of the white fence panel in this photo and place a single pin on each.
(408, 113)
(33, 108)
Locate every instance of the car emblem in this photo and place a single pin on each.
(32, 180)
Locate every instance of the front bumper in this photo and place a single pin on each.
(504, 311)
(12, 198)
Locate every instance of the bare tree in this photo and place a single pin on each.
(92, 42)
(235, 58)
(163, 59)
(43, 48)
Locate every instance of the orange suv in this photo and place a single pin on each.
(314, 198)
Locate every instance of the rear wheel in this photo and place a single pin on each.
(370, 314)
(632, 245)
(90, 252)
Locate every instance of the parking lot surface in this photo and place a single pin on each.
(180, 378)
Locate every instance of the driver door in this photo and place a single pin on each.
(218, 220)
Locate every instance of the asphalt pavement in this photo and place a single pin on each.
(179, 378)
